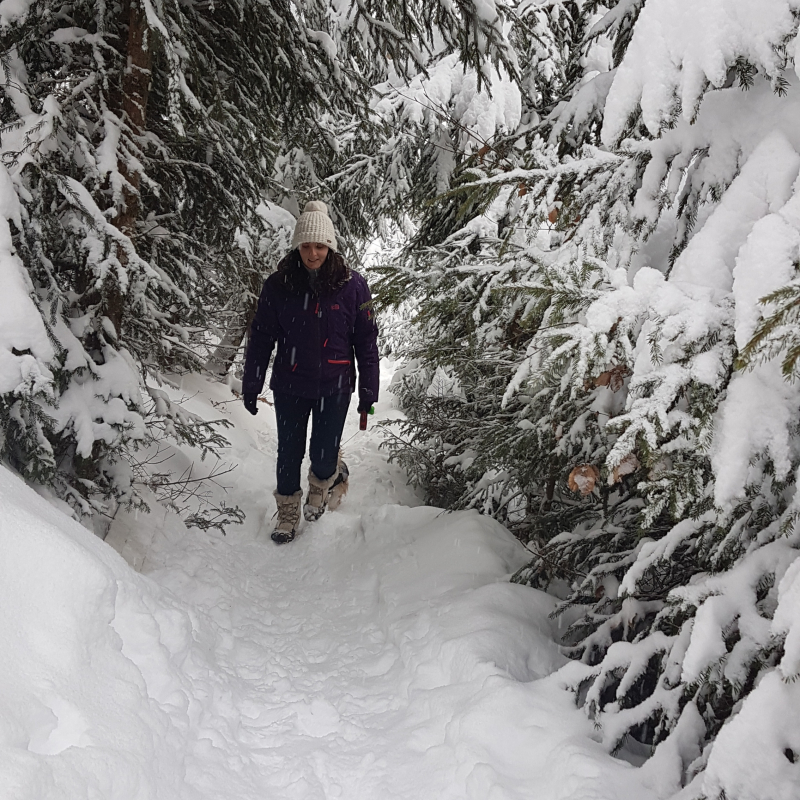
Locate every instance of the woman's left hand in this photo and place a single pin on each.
(251, 402)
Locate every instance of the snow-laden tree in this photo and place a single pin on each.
(152, 156)
(134, 150)
(137, 143)
(720, 446)
(478, 259)
(604, 340)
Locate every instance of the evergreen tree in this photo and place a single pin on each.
(138, 142)
(150, 156)
(605, 265)
(497, 300)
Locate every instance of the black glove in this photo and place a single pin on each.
(251, 402)
(364, 405)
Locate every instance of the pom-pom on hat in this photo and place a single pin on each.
(314, 225)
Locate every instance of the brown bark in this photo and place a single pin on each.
(135, 89)
(550, 490)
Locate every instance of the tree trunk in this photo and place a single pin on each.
(550, 488)
(219, 362)
(135, 88)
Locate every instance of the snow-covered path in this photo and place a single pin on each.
(381, 656)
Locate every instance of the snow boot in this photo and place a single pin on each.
(340, 486)
(288, 516)
(317, 499)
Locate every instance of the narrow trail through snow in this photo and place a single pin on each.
(383, 655)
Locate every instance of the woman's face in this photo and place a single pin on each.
(313, 254)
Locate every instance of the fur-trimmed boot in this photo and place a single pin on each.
(340, 486)
(317, 498)
(288, 516)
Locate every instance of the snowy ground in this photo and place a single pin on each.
(381, 656)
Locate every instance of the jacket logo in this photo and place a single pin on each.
(335, 307)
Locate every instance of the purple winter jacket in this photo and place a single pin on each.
(319, 334)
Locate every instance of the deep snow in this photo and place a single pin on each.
(382, 655)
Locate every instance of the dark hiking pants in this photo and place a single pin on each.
(327, 421)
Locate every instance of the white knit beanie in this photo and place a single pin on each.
(314, 225)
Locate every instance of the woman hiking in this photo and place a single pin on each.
(318, 312)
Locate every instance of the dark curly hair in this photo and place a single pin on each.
(333, 274)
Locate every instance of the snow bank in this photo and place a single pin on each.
(77, 719)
